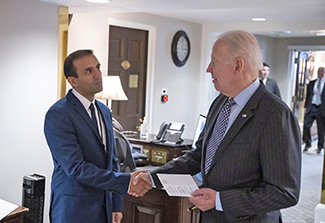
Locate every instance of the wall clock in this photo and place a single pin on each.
(180, 48)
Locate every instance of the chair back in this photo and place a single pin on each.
(123, 150)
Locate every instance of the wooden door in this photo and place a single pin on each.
(128, 59)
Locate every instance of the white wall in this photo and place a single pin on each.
(267, 47)
(183, 84)
(28, 86)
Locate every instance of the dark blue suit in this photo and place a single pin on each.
(85, 184)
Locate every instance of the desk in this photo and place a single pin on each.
(157, 207)
(158, 153)
(17, 216)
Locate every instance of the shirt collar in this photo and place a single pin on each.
(264, 81)
(242, 98)
(84, 101)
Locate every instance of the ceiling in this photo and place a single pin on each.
(284, 18)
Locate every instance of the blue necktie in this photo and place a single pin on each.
(218, 133)
(93, 116)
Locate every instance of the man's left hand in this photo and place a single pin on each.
(204, 199)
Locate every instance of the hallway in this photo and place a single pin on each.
(312, 169)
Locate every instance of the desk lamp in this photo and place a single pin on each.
(112, 90)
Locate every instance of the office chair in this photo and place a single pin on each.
(117, 125)
(123, 151)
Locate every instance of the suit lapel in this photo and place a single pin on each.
(80, 109)
(267, 83)
(243, 117)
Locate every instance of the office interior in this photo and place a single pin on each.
(29, 45)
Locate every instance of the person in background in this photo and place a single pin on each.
(315, 110)
(249, 152)
(86, 186)
(270, 84)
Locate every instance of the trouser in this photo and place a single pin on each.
(314, 112)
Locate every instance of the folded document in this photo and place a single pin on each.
(179, 185)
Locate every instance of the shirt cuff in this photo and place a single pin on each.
(152, 181)
(218, 202)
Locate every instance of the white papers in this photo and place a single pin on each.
(6, 208)
(179, 185)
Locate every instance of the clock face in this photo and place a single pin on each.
(180, 48)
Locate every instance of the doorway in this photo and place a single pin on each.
(305, 61)
(128, 49)
(304, 70)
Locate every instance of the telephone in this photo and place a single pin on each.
(170, 132)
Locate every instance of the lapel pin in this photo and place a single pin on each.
(244, 116)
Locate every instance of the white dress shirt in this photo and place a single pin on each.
(86, 103)
(316, 97)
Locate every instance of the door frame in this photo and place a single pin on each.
(152, 30)
(291, 74)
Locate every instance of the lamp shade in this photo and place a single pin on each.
(112, 89)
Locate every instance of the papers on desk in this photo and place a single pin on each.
(179, 185)
(6, 208)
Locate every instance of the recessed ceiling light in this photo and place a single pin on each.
(287, 32)
(320, 34)
(258, 19)
(98, 1)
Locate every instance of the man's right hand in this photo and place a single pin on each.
(139, 185)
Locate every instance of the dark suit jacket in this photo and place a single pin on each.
(257, 167)
(84, 178)
(309, 97)
(272, 86)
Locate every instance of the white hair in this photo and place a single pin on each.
(243, 44)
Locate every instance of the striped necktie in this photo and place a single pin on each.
(218, 133)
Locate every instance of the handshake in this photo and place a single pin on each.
(140, 183)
